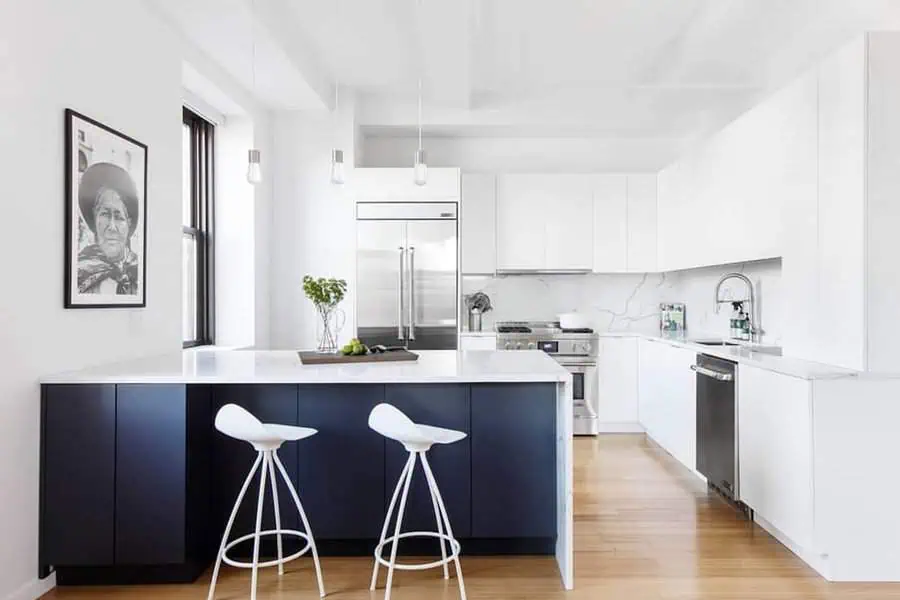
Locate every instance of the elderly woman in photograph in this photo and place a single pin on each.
(108, 200)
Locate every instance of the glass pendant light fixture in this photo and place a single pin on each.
(254, 171)
(420, 168)
(337, 155)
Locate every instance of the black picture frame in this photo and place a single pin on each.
(105, 273)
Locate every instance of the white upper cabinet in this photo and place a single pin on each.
(624, 223)
(478, 224)
(379, 185)
(522, 201)
(724, 202)
(544, 223)
(641, 224)
(570, 227)
(610, 223)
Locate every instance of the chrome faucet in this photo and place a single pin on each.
(755, 331)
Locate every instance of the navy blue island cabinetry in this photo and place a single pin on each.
(136, 484)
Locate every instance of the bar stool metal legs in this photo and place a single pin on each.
(236, 422)
(443, 524)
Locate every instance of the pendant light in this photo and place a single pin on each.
(254, 172)
(337, 155)
(420, 168)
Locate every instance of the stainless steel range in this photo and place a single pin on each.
(574, 349)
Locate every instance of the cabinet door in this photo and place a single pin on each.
(569, 223)
(78, 475)
(617, 365)
(151, 474)
(513, 460)
(681, 400)
(667, 399)
(441, 405)
(477, 342)
(610, 223)
(232, 459)
(379, 184)
(775, 445)
(345, 458)
(641, 223)
(478, 224)
(521, 229)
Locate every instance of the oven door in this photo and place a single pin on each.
(584, 397)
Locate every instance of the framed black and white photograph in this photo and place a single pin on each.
(106, 216)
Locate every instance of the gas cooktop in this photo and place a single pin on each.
(545, 328)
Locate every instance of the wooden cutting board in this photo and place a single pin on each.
(316, 358)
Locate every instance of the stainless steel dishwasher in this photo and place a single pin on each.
(717, 434)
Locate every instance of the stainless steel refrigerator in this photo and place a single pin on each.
(407, 274)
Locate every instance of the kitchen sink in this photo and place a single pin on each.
(714, 343)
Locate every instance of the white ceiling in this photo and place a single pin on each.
(667, 69)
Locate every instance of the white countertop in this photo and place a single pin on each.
(745, 355)
(483, 333)
(283, 366)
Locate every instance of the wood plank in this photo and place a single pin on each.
(316, 358)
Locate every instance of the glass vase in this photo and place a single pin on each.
(328, 328)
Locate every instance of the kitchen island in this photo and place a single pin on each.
(136, 484)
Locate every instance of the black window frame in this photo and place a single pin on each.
(201, 226)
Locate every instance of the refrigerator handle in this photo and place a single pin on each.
(400, 335)
(412, 293)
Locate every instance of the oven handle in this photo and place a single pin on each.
(717, 375)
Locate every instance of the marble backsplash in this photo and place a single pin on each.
(627, 302)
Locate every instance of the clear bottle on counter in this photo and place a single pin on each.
(734, 330)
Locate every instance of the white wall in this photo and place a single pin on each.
(235, 221)
(524, 154)
(313, 228)
(111, 60)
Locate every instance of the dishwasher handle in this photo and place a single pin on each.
(717, 375)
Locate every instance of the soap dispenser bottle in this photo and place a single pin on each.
(734, 331)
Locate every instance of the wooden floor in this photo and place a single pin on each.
(644, 529)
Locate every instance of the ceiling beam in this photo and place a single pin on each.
(277, 18)
(205, 65)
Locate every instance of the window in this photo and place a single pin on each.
(197, 192)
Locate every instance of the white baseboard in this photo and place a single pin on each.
(34, 589)
(620, 428)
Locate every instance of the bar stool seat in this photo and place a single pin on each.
(266, 438)
(417, 439)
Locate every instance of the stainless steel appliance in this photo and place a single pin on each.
(717, 430)
(407, 274)
(576, 350)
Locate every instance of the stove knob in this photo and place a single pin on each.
(508, 346)
(587, 348)
(532, 346)
(519, 346)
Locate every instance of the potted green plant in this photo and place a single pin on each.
(326, 294)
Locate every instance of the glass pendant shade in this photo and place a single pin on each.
(420, 171)
(337, 167)
(254, 172)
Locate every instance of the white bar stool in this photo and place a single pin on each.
(266, 438)
(417, 439)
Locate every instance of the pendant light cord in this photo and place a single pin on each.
(420, 113)
(253, 43)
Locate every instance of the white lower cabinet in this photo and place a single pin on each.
(667, 404)
(617, 386)
(468, 341)
(775, 443)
